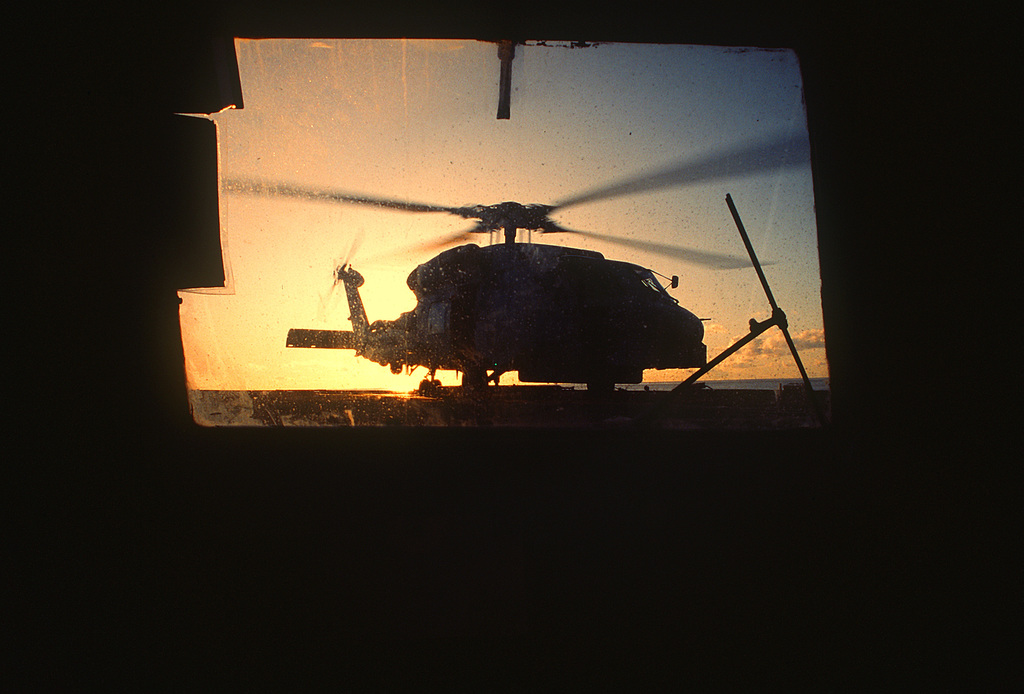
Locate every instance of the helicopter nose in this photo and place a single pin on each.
(681, 340)
(694, 326)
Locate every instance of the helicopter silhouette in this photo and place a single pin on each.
(554, 314)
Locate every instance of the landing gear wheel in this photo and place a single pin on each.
(430, 388)
(474, 378)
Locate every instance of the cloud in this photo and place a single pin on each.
(773, 343)
(768, 355)
(809, 339)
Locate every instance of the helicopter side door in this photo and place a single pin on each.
(579, 326)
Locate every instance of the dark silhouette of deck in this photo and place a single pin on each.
(507, 406)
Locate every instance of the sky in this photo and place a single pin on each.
(416, 120)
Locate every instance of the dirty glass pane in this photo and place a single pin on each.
(360, 173)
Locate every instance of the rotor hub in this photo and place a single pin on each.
(510, 216)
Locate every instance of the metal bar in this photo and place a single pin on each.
(506, 52)
(807, 381)
(755, 330)
(777, 314)
(750, 251)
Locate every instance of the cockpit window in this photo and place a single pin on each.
(651, 284)
(648, 280)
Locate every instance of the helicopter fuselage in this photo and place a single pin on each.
(553, 314)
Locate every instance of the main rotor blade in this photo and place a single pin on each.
(449, 239)
(291, 191)
(781, 152)
(428, 246)
(717, 261)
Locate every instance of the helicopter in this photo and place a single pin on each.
(553, 314)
